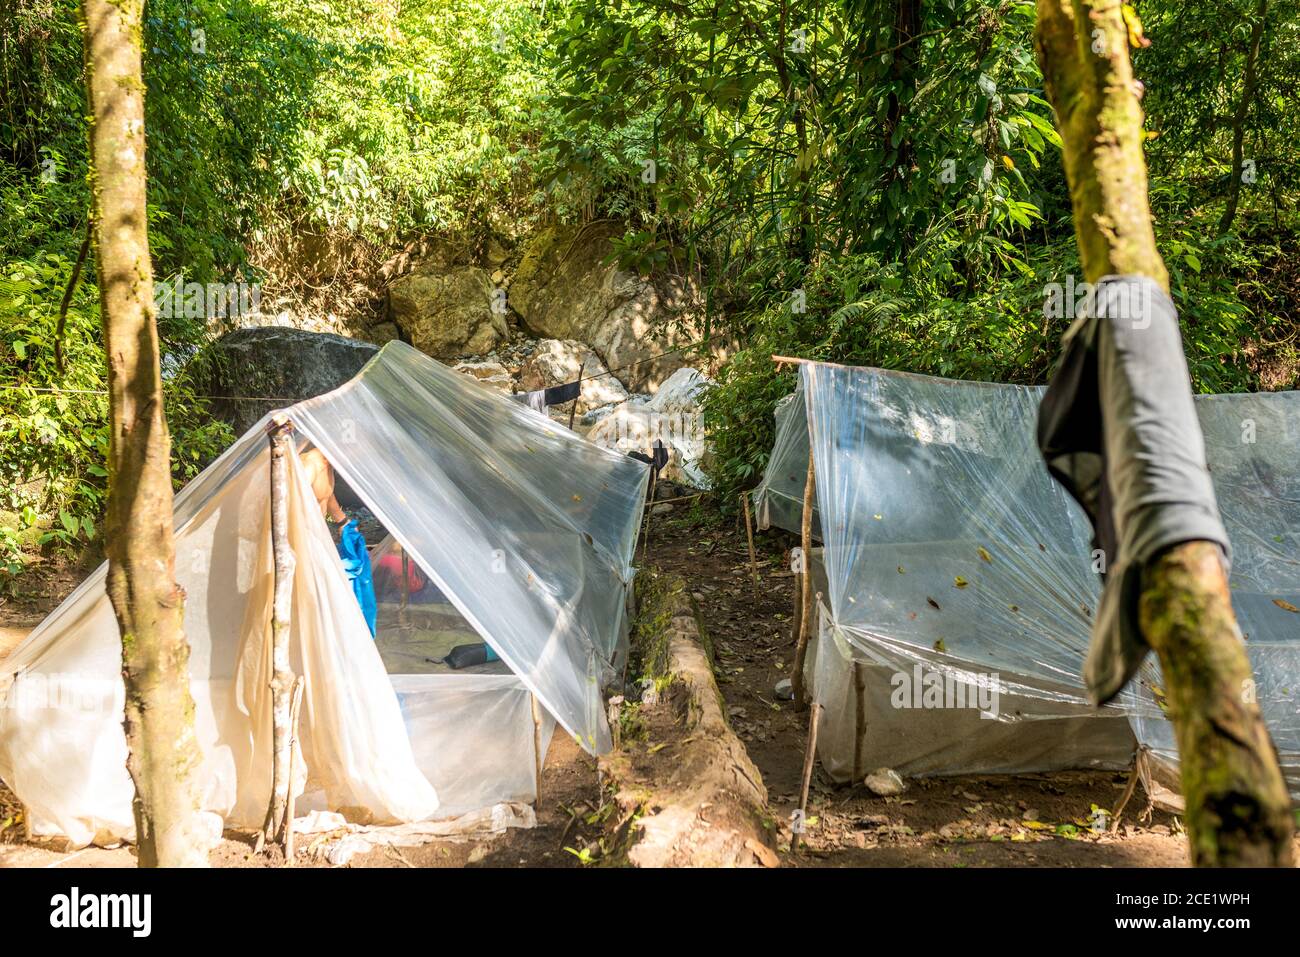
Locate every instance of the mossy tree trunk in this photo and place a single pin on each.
(159, 715)
(1238, 809)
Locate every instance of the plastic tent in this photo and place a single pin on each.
(953, 564)
(523, 534)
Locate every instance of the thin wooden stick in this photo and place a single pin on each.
(749, 535)
(860, 730)
(282, 677)
(295, 708)
(805, 609)
(650, 504)
(573, 409)
(403, 608)
(1134, 773)
(809, 757)
(539, 759)
(682, 498)
(796, 617)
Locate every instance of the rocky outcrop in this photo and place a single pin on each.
(559, 361)
(491, 373)
(448, 311)
(282, 364)
(671, 415)
(564, 289)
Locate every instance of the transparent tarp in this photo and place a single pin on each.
(778, 499)
(523, 530)
(948, 547)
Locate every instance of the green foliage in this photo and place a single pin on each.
(867, 181)
(878, 182)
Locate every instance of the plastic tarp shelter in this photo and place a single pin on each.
(524, 533)
(958, 579)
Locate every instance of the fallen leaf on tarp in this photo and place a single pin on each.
(933, 604)
(984, 554)
(939, 646)
(1285, 605)
(960, 582)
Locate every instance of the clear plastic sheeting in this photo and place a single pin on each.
(950, 552)
(525, 533)
(778, 499)
(525, 527)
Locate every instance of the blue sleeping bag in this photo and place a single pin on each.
(356, 565)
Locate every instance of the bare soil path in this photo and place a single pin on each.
(968, 821)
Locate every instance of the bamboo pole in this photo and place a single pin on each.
(809, 757)
(749, 534)
(282, 677)
(805, 588)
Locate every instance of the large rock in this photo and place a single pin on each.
(673, 416)
(559, 361)
(282, 364)
(446, 310)
(563, 289)
(492, 374)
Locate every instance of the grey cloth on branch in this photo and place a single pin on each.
(535, 400)
(1118, 429)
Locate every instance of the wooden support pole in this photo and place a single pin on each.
(404, 603)
(282, 677)
(539, 759)
(805, 588)
(809, 757)
(749, 534)
(649, 507)
(860, 724)
(295, 709)
(796, 613)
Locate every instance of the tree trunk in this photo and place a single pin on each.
(1238, 809)
(1244, 104)
(149, 604)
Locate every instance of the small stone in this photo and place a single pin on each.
(884, 782)
(785, 689)
(663, 508)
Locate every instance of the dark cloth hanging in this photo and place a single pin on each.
(540, 399)
(560, 394)
(1118, 429)
(657, 458)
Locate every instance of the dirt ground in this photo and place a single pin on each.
(968, 821)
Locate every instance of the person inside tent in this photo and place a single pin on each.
(321, 475)
(351, 543)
